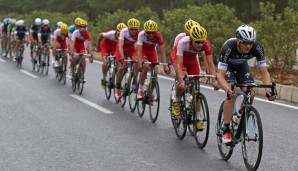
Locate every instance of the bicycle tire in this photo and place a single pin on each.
(110, 85)
(47, 63)
(254, 116)
(179, 124)
(125, 86)
(202, 140)
(73, 80)
(141, 106)
(114, 86)
(64, 64)
(81, 81)
(154, 87)
(132, 93)
(224, 150)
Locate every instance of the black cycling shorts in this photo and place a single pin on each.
(241, 73)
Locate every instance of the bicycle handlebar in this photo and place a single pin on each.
(83, 54)
(58, 50)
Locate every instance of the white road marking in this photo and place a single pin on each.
(28, 73)
(211, 88)
(104, 110)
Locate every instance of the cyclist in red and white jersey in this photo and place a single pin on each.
(186, 62)
(78, 39)
(107, 44)
(148, 39)
(126, 44)
(60, 37)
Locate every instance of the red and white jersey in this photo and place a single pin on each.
(178, 37)
(149, 45)
(184, 47)
(79, 38)
(109, 38)
(59, 36)
(129, 41)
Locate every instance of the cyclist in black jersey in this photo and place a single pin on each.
(34, 29)
(44, 35)
(233, 66)
(21, 34)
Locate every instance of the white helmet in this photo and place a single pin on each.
(59, 24)
(13, 21)
(20, 23)
(37, 21)
(246, 33)
(45, 22)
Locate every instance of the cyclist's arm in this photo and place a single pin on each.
(139, 53)
(99, 39)
(163, 53)
(121, 43)
(180, 75)
(265, 76)
(212, 70)
(90, 46)
(222, 81)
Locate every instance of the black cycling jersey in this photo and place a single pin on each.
(230, 55)
(21, 32)
(45, 35)
(4, 29)
(34, 29)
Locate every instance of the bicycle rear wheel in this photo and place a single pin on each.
(224, 150)
(141, 105)
(110, 83)
(179, 124)
(74, 80)
(47, 63)
(64, 68)
(124, 91)
(132, 93)
(154, 101)
(201, 120)
(252, 143)
(81, 81)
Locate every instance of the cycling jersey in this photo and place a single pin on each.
(108, 43)
(79, 38)
(34, 29)
(149, 46)
(45, 34)
(20, 32)
(178, 37)
(60, 38)
(230, 55)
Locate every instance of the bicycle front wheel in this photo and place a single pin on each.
(224, 150)
(124, 91)
(141, 105)
(81, 80)
(252, 143)
(201, 121)
(47, 63)
(132, 93)
(110, 84)
(64, 68)
(154, 100)
(179, 124)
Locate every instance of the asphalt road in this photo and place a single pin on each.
(45, 126)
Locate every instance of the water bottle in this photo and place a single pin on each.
(127, 73)
(236, 120)
(76, 68)
(188, 99)
(112, 68)
(174, 93)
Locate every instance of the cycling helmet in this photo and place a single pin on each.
(37, 21)
(6, 20)
(189, 24)
(246, 33)
(59, 24)
(45, 22)
(77, 20)
(12, 21)
(133, 23)
(21, 23)
(120, 26)
(18, 23)
(71, 28)
(150, 26)
(198, 33)
(64, 29)
(82, 23)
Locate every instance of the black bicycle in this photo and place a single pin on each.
(248, 131)
(78, 73)
(34, 56)
(151, 93)
(61, 69)
(111, 76)
(19, 54)
(44, 59)
(196, 120)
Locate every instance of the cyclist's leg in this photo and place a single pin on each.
(142, 76)
(104, 53)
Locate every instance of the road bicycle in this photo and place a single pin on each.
(198, 123)
(78, 79)
(151, 92)
(19, 54)
(34, 55)
(44, 59)
(111, 77)
(128, 88)
(61, 69)
(248, 131)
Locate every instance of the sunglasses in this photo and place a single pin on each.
(199, 42)
(247, 43)
(133, 29)
(82, 26)
(150, 32)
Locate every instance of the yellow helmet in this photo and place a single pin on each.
(189, 24)
(64, 29)
(77, 20)
(120, 26)
(133, 23)
(198, 33)
(82, 23)
(150, 26)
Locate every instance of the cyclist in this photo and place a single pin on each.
(126, 45)
(60, 42)
(44, 35)
(21, 34)
(186, 62)
(148, 39)
(107, 44)
(233, 58)
(71, 29)
(78, 39)
(59, 24)
(34, 29)
(10, 27)
(5, 24)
